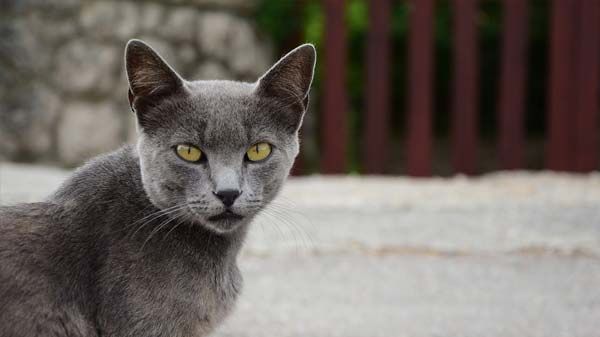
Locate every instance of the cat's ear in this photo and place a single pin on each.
(290, 78)
(148, 74)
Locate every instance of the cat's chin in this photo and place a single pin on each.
(224, 226)
(227, 221)
(226, 215)
(224, 223)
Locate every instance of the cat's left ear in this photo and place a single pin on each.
(290, 78)
(149, 76)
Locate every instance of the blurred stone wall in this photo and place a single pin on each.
(63, 90)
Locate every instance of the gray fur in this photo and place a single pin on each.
(125, 247)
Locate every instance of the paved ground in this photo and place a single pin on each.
(503, 255)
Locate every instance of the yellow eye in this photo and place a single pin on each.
(259, 151)
(188, 153)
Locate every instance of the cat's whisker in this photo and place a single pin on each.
(173, 228)
(159, 228)
(285, 202)
(299, 234)
(158, 212)
(292, 230)
(284, 216)
(172, 210)
(292, 209)
(149, 218)
(274, 222)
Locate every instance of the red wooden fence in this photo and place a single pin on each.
(511, 105)
(420, 84)
(334, 123)
(465, 85)
(585, 100)
(378, 84)
(573, 91)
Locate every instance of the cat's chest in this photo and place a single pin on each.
(201, 301)
(214, 300)
(172, 298)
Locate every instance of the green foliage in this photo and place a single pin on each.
(314, 22)
(276, 18)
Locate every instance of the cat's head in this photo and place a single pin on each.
(216, 152)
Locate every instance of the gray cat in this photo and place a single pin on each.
(143, 241)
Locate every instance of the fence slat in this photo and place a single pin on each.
(377, 89)
(465, 100)
(587, 73)
(512, 84)
(420, 86)
(334, 127)
(558, 156)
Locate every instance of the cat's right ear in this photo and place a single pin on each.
(291, 77)
(150, 77)
(289, 81)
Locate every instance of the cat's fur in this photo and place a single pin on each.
(100, 258)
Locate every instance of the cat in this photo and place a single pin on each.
(143, 241)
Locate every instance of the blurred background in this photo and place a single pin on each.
(403, 87)
(496, 101)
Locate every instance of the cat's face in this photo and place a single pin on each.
(216, 152)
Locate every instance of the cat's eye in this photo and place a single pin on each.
(258, 152)
(189, 153)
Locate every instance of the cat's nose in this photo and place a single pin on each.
(228, 196)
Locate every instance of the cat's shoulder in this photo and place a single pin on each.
(121, 160)
(106, 173)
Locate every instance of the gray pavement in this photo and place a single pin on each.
(507, 254)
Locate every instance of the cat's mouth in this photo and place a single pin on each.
(226, 215)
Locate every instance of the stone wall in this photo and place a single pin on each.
(63, 91)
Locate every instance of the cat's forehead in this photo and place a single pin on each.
(221, 99)
(224, 113)
(223, 105)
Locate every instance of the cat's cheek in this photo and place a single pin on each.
(253, 187)
(155, 194)
(270, 184)
(172, 188)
